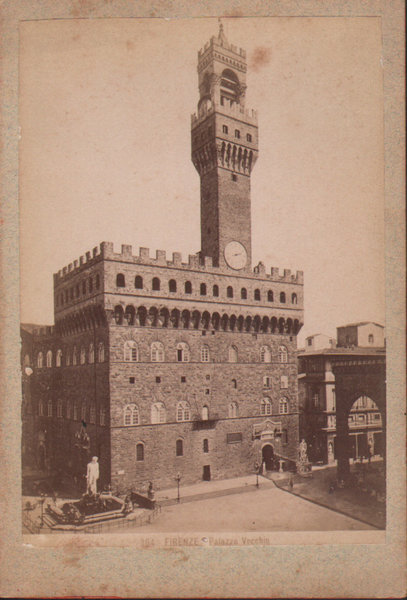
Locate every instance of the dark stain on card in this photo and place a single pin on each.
(260, 58)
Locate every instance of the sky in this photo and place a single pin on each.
(105, 109)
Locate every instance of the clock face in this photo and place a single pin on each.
(235, 255)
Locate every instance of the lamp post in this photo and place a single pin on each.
(42, 500)
(178, 479)
(257, 468)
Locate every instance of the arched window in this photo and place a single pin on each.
(41, 408)
(75, 412)
(68, 409)
(83, 411)
(229, 88)
(102, 416)
(202, 289)
(215, 291)
(130, 351)
(91, 353)
(294, 298)
(283, 406)
(205, 413)
(92, 415)
(158, 413)
(205, 445)
(83, 355)
(282, 354)
(282, 297)
(243, 294)
(232, 354)
(130, 415)
(265, 406)
(179, 448)
(97, 282)
(156, 284)
(101, 352)
(183, 411)
(49, 412)
(67, 358)
(140, 452)
(59, 358)
(40, 360)
(234, 384)
(233, 410)
(138, 282)
(229, 291)
(84, 287)
(77, 287)
(182, 352)
(90, 284)
(205, 353)
(74, 356)
(270, 296)
(49, 359)
(283, 382)
(157, 352)
(59, 409)
(265, 354)
(120, 280)
(172, 285)
(257, 294)
(188, 287)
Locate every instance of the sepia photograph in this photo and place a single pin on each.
(202, 345)
(203, 341)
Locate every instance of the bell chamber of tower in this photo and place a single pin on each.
(224, 138)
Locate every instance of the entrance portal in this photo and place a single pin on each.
(267, 454)
(206, 473)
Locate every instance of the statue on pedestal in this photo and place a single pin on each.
(303, 464)
(92, 476)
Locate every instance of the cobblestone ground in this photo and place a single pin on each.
(269, 509)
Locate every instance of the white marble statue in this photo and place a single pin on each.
(92, 476)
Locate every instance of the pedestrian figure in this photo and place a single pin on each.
(291, 482)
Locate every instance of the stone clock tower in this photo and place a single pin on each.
(224, 151)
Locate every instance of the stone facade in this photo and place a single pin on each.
(178, 367)
(324, 402)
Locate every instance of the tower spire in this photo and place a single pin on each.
(221, 35)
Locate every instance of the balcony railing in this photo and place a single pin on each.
(200, 422)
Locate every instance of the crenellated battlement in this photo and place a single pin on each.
(235, 111)
(214, 41)
(106, 251)
(77, 265)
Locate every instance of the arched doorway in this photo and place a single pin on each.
(364, 428)
(267, 454)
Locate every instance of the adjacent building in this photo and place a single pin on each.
(162, 367)
(318, 397)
